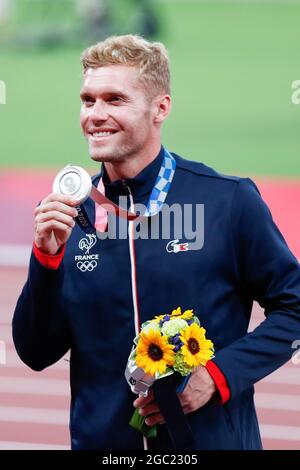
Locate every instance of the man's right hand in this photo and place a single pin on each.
(54, 221)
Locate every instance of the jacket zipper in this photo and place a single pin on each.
(133, 278)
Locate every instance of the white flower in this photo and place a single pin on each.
(173, 326)
(151, 326)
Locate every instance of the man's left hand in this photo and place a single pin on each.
(198, 391)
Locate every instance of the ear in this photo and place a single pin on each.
(162, 108)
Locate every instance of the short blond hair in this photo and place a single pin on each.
(134, 51)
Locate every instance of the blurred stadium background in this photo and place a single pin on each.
(233, 64)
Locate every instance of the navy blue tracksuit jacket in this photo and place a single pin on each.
(244, 258)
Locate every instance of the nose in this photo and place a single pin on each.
(99, 112)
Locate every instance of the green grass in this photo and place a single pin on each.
(232, 69)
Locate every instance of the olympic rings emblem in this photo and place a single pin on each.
(85, 266)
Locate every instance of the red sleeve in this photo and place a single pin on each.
(220, 381)
(49, 261)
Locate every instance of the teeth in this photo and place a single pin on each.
(102, 134)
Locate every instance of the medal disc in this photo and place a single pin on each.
(73, 181)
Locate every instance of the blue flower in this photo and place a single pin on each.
(178, 346)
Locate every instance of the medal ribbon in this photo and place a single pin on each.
(105, 205)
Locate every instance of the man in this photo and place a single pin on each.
(90, 295)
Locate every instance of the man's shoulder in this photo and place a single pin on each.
(198, 168)
(244, 187)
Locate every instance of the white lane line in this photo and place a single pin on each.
(284, 433)
(16, 414)
(285, 375)
(15, 255)
(21, 386)
(11, 445)
(6, 334)
(276, 401)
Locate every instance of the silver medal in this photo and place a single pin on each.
(73, 181)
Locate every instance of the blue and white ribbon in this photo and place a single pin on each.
(157, 198)
(162, 185)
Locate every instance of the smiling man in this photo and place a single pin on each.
(120, 119)
(90, 295)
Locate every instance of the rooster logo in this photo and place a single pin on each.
(85, 244)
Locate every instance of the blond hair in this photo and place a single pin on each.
(134, 51)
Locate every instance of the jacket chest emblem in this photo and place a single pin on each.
(175, 247)
(87, 262)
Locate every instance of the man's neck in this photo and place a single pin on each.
(132, 166)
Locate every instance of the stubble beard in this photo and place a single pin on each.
(115, 155)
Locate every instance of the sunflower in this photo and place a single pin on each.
(186, 315)
(196, 349)
(154, 353)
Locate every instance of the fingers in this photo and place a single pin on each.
(56, 211)
(186, 410)
(56, 206)
(191, 402)
(54, 215)
(185, 404)
(57, 202)
(155, 419)
(149, 409)
(143, 401)
(54, 221)
(54, 197)
(47, 227)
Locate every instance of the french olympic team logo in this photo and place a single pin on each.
(85, 244)
(87, 262)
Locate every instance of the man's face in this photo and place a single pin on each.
(115, 116)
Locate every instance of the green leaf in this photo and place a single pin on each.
(138, 422)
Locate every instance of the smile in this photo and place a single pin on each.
(101, 135)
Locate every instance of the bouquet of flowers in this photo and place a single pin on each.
(167, 344)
